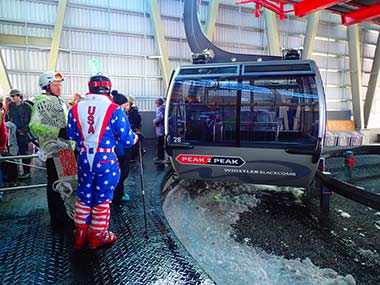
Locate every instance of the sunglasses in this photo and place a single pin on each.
(15, 95)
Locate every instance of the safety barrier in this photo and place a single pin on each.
(355, 193)
(10, 159)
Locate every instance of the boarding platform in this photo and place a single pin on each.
(34, 252)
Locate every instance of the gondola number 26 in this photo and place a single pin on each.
(177, 139)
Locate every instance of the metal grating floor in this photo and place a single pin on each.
(32, 252)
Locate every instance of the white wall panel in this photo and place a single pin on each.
(288, 41)
(250, 37)
(75, 84)
(13, 10)
(338, 105)
(138, 6)
(331, 47)
(154, 89)
(152, 67)
(292, 25)
(370, 37)
(64, 63)
(39, 32)
(171, 27)
(122, 22)
(171, 7)
(28, 83)
(14, 58)
(87, 18)
(368, 51)
(12, 29)
(230, 16)
(37, 60)
(96, 3)
(41, 12)
(128, 66)
(338, 32)
(226, 35)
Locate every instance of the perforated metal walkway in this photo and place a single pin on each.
(32, 252)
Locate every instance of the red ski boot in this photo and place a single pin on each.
(81, 235)
(99, 238)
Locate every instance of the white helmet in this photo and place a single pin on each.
(48, 77)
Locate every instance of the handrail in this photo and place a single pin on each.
(24, 187)
(349, 191)
(18, 156)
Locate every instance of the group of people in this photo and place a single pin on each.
(105, 128)
(15, 116)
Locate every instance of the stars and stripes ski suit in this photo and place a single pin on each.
(96, 125)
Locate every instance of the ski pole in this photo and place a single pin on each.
(142, 184)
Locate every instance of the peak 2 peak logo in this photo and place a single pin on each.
(192, 159)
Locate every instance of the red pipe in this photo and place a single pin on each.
(307, 7)
(361, 15)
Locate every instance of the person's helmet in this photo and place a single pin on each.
(48, 77)
(99, 84)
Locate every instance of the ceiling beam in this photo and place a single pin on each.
(9, 40)
(372, 84)
(360, 15)
(272, 32)
(355, 75)
(5, 83)
(307, 7)
(213, 6)
(57, 32)
(155, 17)
(311, 32)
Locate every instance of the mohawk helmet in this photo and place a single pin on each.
(99, 84)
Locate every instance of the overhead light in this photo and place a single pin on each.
(154, 56)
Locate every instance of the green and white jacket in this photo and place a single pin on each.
(49, 115)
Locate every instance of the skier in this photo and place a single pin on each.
(48, 122)
(96, 124)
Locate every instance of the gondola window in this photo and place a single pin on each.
(274, 110)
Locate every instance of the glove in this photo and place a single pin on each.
(63, 133)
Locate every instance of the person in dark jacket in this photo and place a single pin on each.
(123, 155)
(3, 145)
(20, 114)
(158, 122)
(134, 118)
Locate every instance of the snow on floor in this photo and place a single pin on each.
(201, 220)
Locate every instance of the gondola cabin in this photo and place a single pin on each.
(261, 122)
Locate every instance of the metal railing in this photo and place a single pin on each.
(11, 159)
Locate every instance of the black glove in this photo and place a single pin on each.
(63, 133)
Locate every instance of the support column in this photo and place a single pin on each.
(355, 74)
(56, 39)
(155, 16)
(311, 32)
(272, 32)
(372, 84)
(4, 78)
(213, 6)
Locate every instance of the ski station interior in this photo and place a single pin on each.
(264, 167)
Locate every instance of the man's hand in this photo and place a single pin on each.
(136, 139)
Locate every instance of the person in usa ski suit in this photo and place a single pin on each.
(96, 124)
